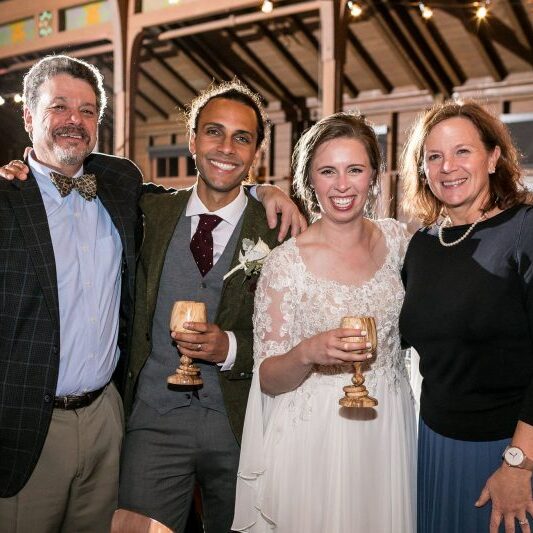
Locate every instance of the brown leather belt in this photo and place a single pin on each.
(77, 402)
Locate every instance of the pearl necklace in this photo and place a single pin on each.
(447, 222)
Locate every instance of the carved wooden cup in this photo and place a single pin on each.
(356, 395)
(186, 311)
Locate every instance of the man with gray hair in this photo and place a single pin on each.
(67, 256)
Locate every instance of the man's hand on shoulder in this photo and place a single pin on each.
(276, 201)
(15, 170)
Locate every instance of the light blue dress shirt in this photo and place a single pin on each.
(88, 257)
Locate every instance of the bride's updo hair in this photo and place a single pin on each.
(336, 126)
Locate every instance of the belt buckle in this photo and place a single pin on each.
(65, 402)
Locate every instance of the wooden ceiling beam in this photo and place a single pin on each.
(234, 65)
(403, 50)
(419, 44)
(182, 47)
(304, 75)
(176, 75)
(520, 21)
(493, 29)
(368, 62)
(160, 87)
(479, 38)
(152, 104)
(313, 41)
(285, 93)
(197, 44)
(455, 68)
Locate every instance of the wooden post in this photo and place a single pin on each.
(331, 54)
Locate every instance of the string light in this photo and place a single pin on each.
(17, 98)
(425, 11)
(2, 101)
(267, 6)
(355, 9)
(482, 11)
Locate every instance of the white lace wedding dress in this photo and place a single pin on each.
(307, 465)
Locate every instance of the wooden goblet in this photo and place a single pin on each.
(356, 395)
(186, 311)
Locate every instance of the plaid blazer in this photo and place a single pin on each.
(235, 310)
(29, 314)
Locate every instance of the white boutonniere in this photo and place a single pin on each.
(251, 258)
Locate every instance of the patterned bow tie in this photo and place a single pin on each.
(85, 185)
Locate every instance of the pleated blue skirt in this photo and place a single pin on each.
(451, 475)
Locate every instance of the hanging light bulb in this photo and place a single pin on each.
(355, 9)
(267, 6)
(2, 101)
(425, 11)
(17, 98)
(482, 11)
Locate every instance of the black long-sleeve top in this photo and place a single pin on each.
(468, 311)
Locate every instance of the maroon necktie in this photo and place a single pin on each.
(202, 242)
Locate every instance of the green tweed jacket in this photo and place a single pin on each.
(161, 214)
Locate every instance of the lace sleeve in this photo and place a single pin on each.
(400, 236)
(275, 304)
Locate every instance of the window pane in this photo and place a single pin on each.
(161, 167)
(173, 166)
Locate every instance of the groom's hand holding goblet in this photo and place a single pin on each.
(206, 341)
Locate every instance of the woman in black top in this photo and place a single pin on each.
(468, 311)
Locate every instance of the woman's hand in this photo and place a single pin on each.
(285, 372)
(332, 347)
(510, 491)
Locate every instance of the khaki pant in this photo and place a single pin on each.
(74, 486)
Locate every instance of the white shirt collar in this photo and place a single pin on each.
(230, 213)
(42, 169)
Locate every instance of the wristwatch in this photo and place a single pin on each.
(515, 457)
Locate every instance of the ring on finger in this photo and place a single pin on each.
(523, 522)
(199, 347)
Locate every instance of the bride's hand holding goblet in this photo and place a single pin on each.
(332, 347)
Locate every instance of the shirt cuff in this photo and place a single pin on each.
(253, 192)
(232, 353)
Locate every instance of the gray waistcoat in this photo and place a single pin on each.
(181, 280)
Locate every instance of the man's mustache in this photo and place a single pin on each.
(73, 130)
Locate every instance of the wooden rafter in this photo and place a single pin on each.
(286, 94)
(480, 39)
(403, 50)
(424, 50)
(243, 70)
(182, 47)
(313, 41)
(521, 22)
(198, 45)
(454, 66)
(384, 83)
(304, 75)
(160, 87)
(152, 104)
(176, 75)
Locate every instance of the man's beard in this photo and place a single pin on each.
(71, 156)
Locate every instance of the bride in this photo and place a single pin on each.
(307, 464)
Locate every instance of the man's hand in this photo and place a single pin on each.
(209, 343)
(276, 201)
(15, 169)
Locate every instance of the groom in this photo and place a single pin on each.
(177, 438)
